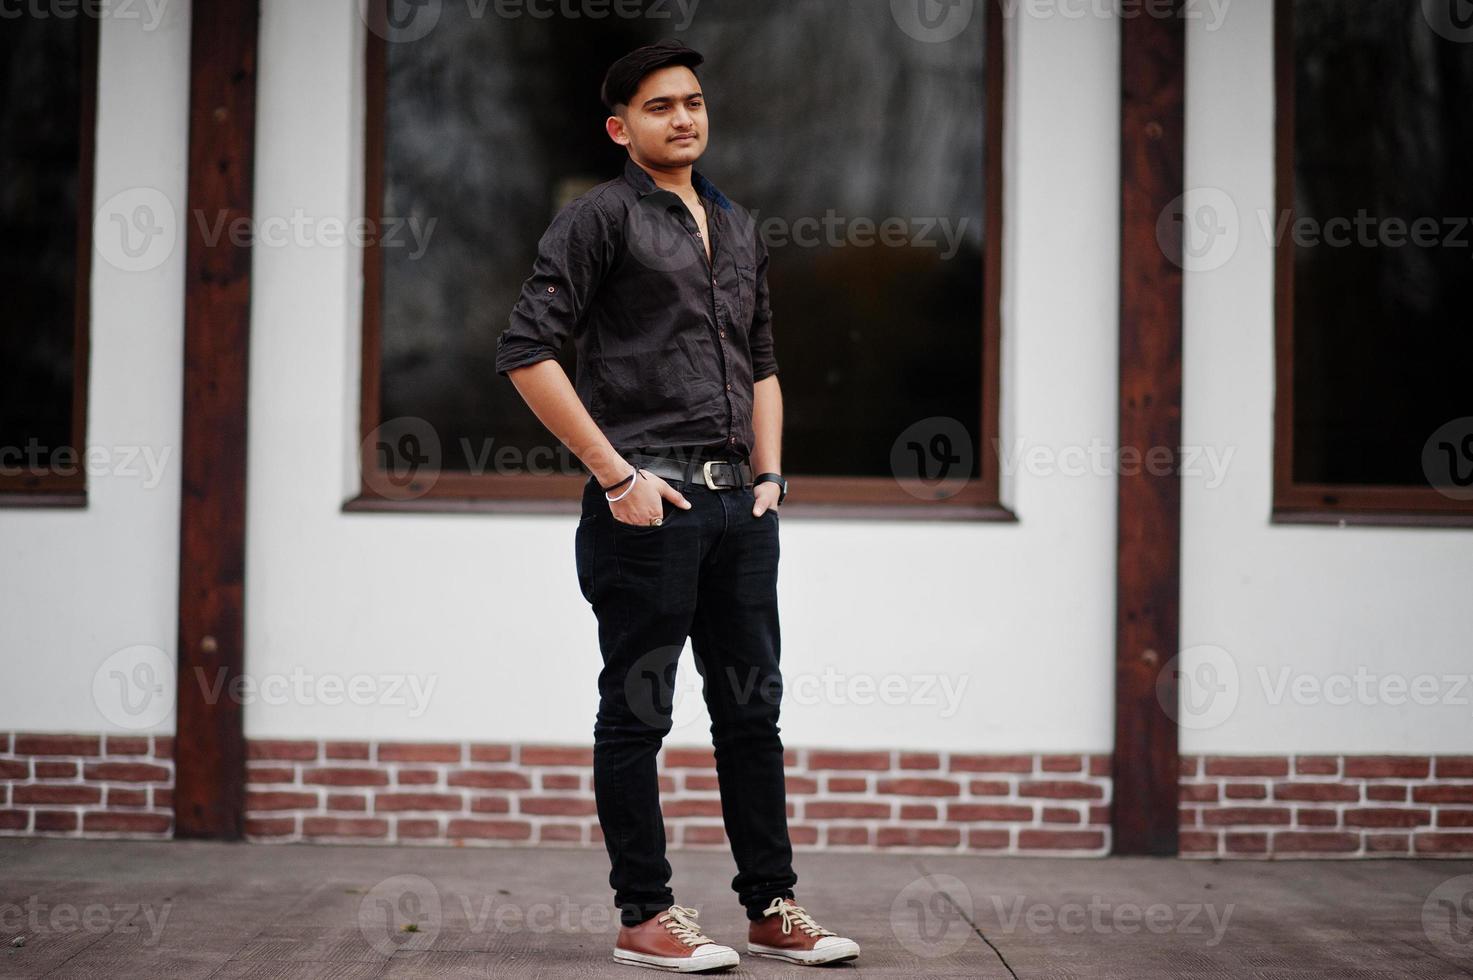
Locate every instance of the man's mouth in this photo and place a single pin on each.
(683, 136)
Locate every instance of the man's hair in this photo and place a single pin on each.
(623, 77)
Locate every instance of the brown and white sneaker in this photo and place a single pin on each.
(672, 941)
(788, 932)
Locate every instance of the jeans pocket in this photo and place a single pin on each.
(583, 556)
(666, 508)
(751, 499)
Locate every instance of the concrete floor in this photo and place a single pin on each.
(156, 910)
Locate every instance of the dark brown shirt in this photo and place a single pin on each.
(668, 344)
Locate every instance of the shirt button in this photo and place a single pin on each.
(728, 387)
(552, 289)
(732, 439)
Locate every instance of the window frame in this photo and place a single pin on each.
(1322, 503)
(813, 496)
(61, 489)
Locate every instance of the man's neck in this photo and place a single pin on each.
(676, 180)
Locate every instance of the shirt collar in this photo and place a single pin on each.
(641, 181)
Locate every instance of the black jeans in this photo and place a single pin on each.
(710, 574)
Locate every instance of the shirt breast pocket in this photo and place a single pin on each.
(746, 296)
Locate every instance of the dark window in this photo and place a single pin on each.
(1376, 268)
(868, 172)
(47, 67)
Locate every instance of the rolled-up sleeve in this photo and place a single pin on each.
(764, 359)
(572, 257)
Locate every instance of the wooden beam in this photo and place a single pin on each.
(209, 793)
(1153, 62)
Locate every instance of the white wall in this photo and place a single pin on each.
(487, 606)
(78, 587)
(1325, 604)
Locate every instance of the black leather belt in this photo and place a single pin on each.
(716, 473)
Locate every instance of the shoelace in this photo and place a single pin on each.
(796, 913)
(681, 920)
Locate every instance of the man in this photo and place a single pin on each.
(677, 414)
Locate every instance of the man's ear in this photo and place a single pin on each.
(614, 126)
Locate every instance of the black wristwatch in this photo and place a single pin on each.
(773, 478)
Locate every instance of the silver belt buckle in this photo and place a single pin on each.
(706, 472)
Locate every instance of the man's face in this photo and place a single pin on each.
(665, 123)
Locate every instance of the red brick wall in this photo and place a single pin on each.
(456, 792)
(88, 785)
(533, 794)
(387, 792)
(1327, 806)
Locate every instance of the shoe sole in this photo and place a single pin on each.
(677, 964)
(833, 954)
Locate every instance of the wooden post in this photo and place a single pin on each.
(209, 749)
(1152, 65)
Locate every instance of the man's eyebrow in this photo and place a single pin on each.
(668, 98)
